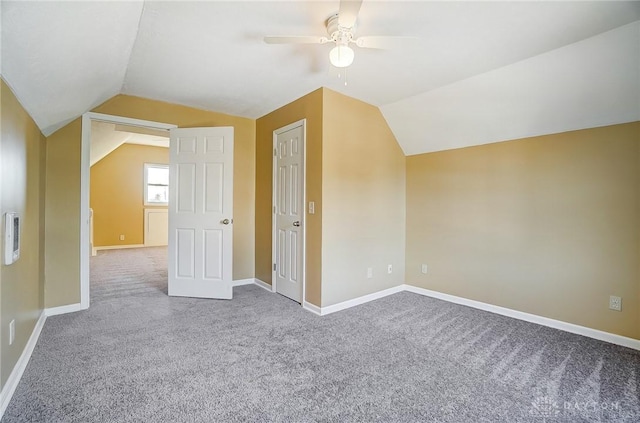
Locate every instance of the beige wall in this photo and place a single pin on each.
(547, 225)
(63, 180)
(117, 194)
(62, 217)
(356, 177)
(22, 164)
(363, 194)
(308, 107)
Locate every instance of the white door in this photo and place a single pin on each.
(289, 212)
(200, 212)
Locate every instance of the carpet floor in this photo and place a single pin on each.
(139, 356)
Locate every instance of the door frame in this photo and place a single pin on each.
(303, 123)
(85, 172)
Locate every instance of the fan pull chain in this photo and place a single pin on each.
(345, 76)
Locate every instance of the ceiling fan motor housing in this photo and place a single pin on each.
(338, 34)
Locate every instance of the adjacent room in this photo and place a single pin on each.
(128, 199)
(336, 210)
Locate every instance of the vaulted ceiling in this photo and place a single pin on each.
(477, 72)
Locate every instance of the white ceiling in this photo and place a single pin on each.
(475, 65)
(591, 83)
(107, 137)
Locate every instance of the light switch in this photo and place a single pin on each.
(312, 207)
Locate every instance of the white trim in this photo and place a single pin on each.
(241, 282)
(263, 285)
(252, 281)
(129, 121)
(85, 230)
(71, 308)
(312, 308)
(303, 122)
(85, 149)
(119, 247)
(360, 300)
(1, 409)
(544, 321)
(145, 185)
(16, 374)
(303, 217)
(515, 314)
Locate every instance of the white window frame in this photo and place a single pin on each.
(144, 189)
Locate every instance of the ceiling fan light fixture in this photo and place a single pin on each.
(341, 56)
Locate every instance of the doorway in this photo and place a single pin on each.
(289, 202)
(85, 213)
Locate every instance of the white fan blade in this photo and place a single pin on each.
(294, 39)
(348, 13)
(382, 42)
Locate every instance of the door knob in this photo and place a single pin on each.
(296, 223)
(225, 221)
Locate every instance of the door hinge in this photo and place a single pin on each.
(275, 151)
(274, 209)
(274, 267)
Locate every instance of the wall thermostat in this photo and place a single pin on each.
(11, 237)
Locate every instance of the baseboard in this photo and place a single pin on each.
(16, 374)
(262, 284)
(533, 318)
(241, 282)
(71, 308)
(520, 315)
(119, 247)
(253, 281)
(323, 311)
(312, 308)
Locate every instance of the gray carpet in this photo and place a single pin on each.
(139, 356)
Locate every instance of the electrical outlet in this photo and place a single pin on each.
(312, 207)
(615, 303)
(389, 268)
(369, 272)
(12, 331)
(121, 237)
(424, 268)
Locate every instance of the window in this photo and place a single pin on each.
(156, 184)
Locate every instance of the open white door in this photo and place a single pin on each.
(200, 212)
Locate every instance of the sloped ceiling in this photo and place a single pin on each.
(591, 83)
(106, 137)
(63, 58)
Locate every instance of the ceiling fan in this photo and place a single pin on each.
(341, 31)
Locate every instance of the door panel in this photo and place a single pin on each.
(200, 212)
(185, 253)
(293, 259)
(185, 187)
(289, 211)
(213, 254)
(214, 187)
